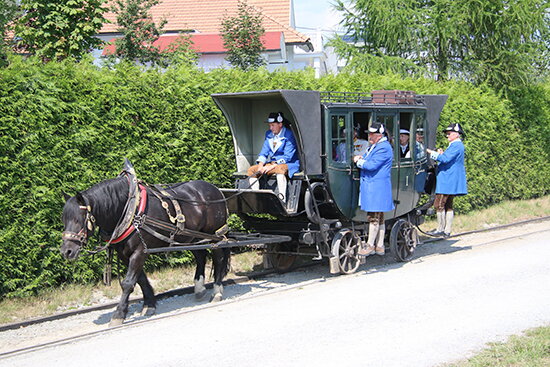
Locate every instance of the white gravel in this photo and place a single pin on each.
(455, 296)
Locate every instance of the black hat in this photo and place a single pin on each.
(455, 127)
(275, 117)
(377, 127)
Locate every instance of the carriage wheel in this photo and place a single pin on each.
(403, 240)
(282, 262)
(344, 247)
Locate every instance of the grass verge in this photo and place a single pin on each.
(532, 349)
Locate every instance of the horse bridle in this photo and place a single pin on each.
(82, 236)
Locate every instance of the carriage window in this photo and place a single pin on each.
(419, 145)
(338, 139)
(387, 120)
(361, 122)
(405, 130)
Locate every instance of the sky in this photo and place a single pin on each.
(315, 14)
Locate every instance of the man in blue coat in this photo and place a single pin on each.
(375, 191)
(451, 179)
(279, 155)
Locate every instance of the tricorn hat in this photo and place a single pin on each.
(275, 117)
(377, 127)
(455, 127)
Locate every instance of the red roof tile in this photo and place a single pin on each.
(208, 43)
(204, 16)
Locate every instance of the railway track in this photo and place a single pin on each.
(189, 290)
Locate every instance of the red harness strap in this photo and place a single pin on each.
(141, 210)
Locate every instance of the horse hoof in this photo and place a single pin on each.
(148, 311)
(216, 298)
(116, 322)
(200, 295)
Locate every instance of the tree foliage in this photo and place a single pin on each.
(8, 10)
(139, 31)
(55, 30)
(501, 42)
(242, 37)
(180, 52)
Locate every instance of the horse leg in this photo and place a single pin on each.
(200, 259)
(149, 301)
(135, 267)
(220, 258)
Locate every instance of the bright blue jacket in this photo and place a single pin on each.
(375, 187)
(451, 173)
(284, 152)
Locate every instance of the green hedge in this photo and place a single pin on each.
(66, 126)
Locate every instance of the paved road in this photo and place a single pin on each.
(435, 309)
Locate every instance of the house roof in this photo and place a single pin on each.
(209, 42)
(205, 16)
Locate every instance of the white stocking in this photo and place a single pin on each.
(281, 185)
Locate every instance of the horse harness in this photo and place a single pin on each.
(176, 227)
(135, 219)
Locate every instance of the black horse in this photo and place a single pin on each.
(104, 205)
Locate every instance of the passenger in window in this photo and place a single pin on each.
(404, 136)
(419, 144)
(375, 190)
(360, 145)
(278, 156)
(450, 179)
(340, 153)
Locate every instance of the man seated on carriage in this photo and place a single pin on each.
(279, 155)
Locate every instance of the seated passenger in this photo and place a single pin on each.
(404, 143)
(340, 152)
(419, 144)
(360, 146)
(279, 155)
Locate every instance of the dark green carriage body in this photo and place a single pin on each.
(321, 122)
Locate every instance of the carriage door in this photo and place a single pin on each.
(339, 170)
(420, 155)
(405, 155)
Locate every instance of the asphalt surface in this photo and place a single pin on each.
(446, 304)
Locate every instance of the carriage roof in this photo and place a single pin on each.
(247, 111)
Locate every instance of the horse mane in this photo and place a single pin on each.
(107, 197)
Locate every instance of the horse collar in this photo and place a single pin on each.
(141, 209)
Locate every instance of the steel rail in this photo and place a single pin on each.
(190, 290)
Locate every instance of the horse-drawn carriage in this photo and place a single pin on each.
(319, 216)
(321, 211)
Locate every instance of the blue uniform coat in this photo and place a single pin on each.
(284, 152)
(451, 173)
(375, 187)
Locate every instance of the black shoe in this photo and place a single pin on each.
(445, 234)
(436, 233)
